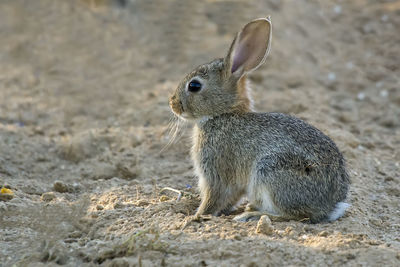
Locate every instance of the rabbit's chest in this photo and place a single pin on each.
(214, 157)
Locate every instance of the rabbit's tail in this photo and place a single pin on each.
(339, 210)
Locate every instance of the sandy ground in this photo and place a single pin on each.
(84, 117)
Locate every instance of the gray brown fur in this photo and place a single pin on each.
(287, 168)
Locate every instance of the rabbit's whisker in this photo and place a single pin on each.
(174, 133)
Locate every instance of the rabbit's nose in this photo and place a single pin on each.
(176, 105)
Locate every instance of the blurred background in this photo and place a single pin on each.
(80, 63)
(84, 114)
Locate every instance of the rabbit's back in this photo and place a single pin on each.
(257, 133)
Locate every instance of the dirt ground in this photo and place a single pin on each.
(84, 119)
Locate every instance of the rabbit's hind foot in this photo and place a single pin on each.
(255, 215)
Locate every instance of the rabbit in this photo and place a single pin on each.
(288, 169)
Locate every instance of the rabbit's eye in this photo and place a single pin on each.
(194, 86)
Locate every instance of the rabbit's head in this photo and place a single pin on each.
(220, 86)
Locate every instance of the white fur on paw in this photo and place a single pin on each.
(247, 216)
(241, 218)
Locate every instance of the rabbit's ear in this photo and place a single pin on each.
(250, 47)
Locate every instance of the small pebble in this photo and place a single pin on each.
(288, 230)
(384, 93)
(119, 205)
(237, 237)
(337, 9)
(374, 242)
(323, 234)
(142, 202)
(6, 197)
(350, 256)
(99, 207)
(60, 187)
(264, 226)
(361, 96)
(48, 196)
(75, 234)
(164, 198)
(331, 76)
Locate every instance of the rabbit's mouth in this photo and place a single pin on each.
(176, 106)
(178, 110)
(185, 116)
